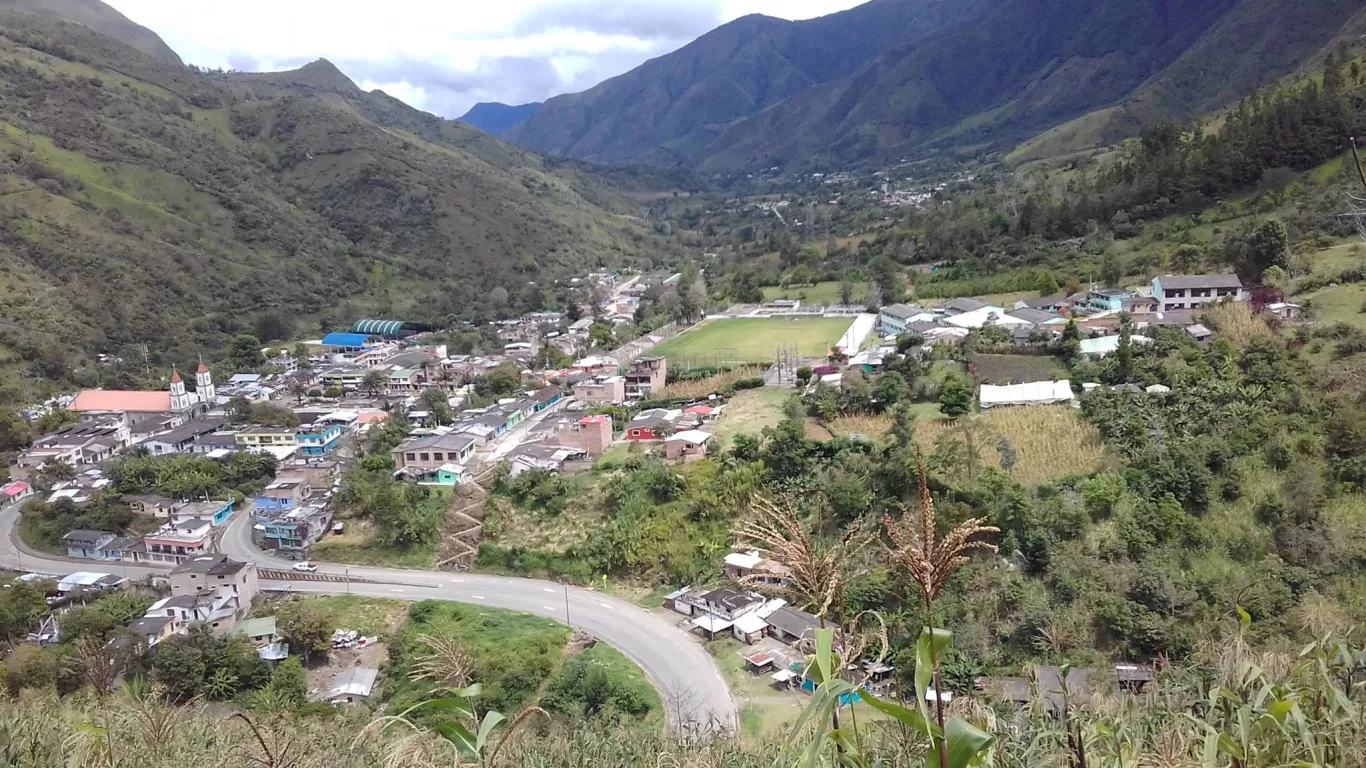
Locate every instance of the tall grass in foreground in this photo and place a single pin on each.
(1234, 707)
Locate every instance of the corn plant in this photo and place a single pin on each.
(958, 744)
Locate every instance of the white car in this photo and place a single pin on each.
(305, 566)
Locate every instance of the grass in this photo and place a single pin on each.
(1017, 369)
(510, 527)
(816, 293)
(367, 615)
(1339, 304)
(752, 340)
(623, 671)
(358, 547)
(750, 411)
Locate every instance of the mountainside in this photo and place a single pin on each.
(894, 76)
(497, 118)
(141, 202)
(102, 19)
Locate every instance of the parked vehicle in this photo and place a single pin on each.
(305, 566)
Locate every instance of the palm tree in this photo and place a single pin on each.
(299, 390)
(373, 382)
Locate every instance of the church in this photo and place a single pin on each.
(177, 401)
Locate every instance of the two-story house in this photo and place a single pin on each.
(894, 319)
(265, 437)
(429, 453)
(318, 439)
(179, 541)
(292, 530)
(1196, 291)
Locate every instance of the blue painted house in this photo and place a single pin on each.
(282, 495)
(316, 440)
(546, 397)
(1107, 300)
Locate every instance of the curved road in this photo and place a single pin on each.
(695, 695)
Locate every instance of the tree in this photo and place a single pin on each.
(886, 275)
(290, 683)
(273, 327)
(306, 627)
(573, 310)
(600, 335)
(52, 471)
(1188, 259)
(1048, 284)
(501, 381)
(955, 396)
(437, 403)
(1111, 270)
(373, 382)
(846, 292)
(299, 390)
(244, 353)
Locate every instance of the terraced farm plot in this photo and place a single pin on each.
(752, 340)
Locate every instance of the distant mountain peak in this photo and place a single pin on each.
(497, 118)
(323, 74)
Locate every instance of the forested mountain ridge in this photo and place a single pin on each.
(909, 75)
(141, 202)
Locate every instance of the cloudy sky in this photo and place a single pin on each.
(445, 55)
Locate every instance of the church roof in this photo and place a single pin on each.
(202, 368)
(122, 400)
(175, 376)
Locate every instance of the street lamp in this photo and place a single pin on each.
(567, 622)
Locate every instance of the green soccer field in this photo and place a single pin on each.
(753, 340)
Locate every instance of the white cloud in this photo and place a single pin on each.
(444, 55)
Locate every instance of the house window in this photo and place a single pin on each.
(436, 457)
(423, 457)
(411, 456)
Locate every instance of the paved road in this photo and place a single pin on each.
(694, 693)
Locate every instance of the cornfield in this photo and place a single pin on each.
(702, 387)
(1050, 442)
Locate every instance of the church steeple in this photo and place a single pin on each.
(180, 399)
(203, 383)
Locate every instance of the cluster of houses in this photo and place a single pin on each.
(1169, 301)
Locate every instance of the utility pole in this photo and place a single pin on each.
(569, 623)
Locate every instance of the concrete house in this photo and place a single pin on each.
(688, 445)
(895, 319)
(1196, 291)
(429, 453)
(217, 512)
(318, 439)
(182, 438)
(647, 376)
(219, 575)
(601, 390)
(179, 541)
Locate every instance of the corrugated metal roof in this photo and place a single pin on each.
(339, 339)
(381, 327)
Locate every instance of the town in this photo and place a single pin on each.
(319, 405)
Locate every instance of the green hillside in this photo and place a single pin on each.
(144, 203)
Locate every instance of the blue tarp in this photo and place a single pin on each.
(346, 340)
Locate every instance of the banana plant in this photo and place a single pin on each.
(959, 744)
